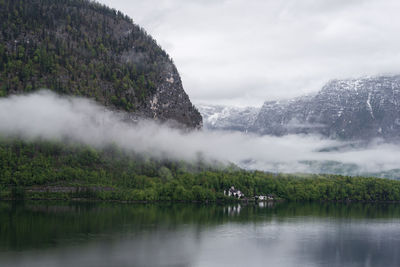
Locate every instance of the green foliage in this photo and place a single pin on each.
(165, 174)
(78, 47)
(137, 178)
(17, 193)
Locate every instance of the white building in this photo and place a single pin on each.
(232, 192)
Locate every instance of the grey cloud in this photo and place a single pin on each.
(286, 47)
(46, 115)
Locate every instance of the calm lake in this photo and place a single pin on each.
(284, 234)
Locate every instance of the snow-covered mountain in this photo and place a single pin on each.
(228, 118)
(346, 109)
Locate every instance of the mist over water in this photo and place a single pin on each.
(49, 116)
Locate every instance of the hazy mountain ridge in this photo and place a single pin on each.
(228, 118)
(352, 109)
(82, 48)
(346, 109)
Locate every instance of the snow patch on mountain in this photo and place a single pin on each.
(227, 118)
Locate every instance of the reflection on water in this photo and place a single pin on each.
(283, 234)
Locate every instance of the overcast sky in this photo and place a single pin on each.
(243, 52)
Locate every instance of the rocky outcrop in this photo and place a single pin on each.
(170, 101)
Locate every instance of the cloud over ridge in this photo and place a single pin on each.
(52, 117)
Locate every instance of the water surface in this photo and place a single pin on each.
(284, 234)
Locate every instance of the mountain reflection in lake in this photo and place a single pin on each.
(283, 234)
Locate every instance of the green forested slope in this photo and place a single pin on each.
(133, 177)
(81, 48)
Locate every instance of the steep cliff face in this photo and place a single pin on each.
(79, 47)
(171, 101)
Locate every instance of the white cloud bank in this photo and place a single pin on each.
(49, 116)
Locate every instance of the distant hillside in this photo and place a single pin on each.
(82, 48)
(344, 109)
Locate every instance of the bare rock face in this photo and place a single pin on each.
(170, 101)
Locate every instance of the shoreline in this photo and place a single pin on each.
(229, 201)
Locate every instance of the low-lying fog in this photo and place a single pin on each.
(49, 116)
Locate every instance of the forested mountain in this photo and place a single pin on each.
(82, 48)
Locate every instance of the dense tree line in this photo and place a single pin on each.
(132, 177)
(77, 47)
